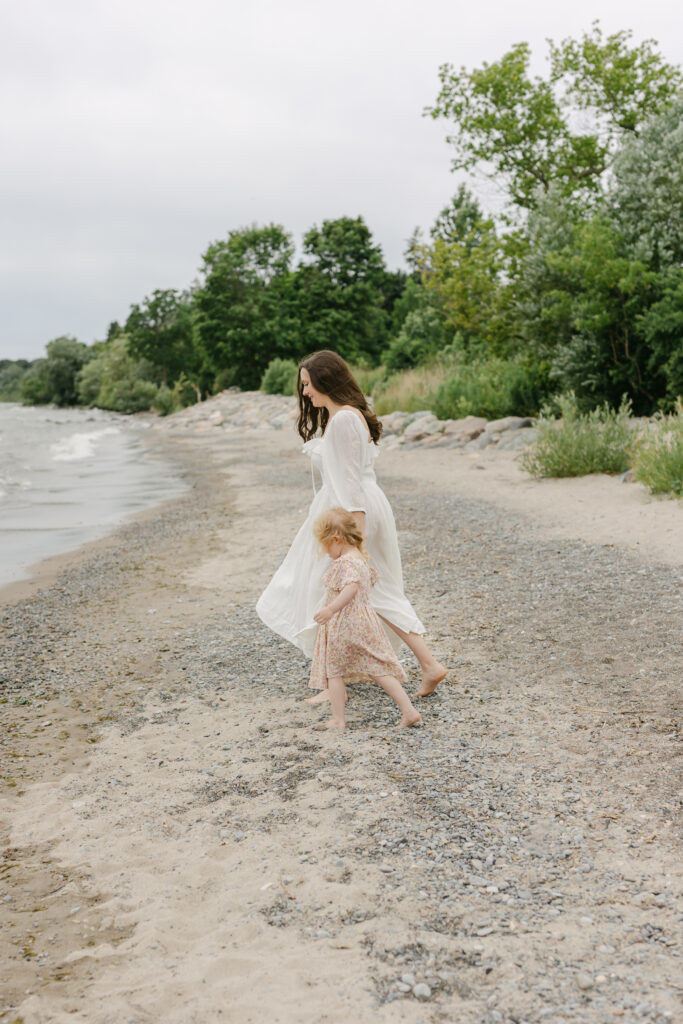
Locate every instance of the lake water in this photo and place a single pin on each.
(68, 476)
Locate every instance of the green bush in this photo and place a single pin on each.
(658, 461)
(280, 377)
(165, 401)
(600, 441)
(492, 388)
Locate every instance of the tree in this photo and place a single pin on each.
(340, 287)
(115, 379)
(646, 193)
(246, 310)
(160, 330)
(520, 127)
(54, 379)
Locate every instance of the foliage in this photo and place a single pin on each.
(599, 441)
(409, 390)
(164, 401)
(368, 377)
(492, 388)
(12, 373)
(160, 330)
(422, 335)
(35, 386)
(114, 379)
(244, 305)
(340, 290)
(280, 377)
(646, 194)
(54, 378)
(658, 461)
(521, 127)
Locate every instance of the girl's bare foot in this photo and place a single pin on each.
(409, 720)
(335, 723)
(321, 697)
(430, 680)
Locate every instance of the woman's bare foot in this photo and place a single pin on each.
(409, 720)
(321, 697)
(335, 723)
(430, 680)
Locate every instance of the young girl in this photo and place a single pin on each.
(351, 642)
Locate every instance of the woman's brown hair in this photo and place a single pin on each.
(331, 376)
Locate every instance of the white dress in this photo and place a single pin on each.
(344, 457)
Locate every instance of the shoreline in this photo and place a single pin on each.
(184, 839)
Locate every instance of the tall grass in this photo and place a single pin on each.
(601, 441)
(409, 390)
(658, 461)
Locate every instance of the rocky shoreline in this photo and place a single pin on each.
(253, 410)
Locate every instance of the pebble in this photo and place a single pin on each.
(584, 981)
(422, 991)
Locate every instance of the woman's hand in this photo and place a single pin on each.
(324, 615)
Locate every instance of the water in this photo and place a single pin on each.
(68, 476)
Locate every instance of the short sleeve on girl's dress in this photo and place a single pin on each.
(345, 438)
(343, 572)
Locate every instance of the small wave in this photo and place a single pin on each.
(79, 446)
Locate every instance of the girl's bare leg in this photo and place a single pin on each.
(337, 690)
(432, 670)
(322, 695)
(409, 714)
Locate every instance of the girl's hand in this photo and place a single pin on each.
(324, 615)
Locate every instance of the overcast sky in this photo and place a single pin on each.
(135, 132)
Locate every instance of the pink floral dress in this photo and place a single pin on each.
(353, 644)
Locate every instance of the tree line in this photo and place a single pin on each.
(576, 284)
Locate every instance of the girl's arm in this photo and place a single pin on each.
(345, 597)
(360, 521)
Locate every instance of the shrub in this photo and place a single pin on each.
(492, 388)
(165, 401)
(600, 441)
(280, 377)
(658, 461)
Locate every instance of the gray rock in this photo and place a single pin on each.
(508, 423)
(478, 443)
(584, 981)
(408, 979)
(422, 991)
(468, 428)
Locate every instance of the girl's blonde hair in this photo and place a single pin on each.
(337, 522)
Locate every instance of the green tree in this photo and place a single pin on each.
(115, 379)
(246, 307)
(340, 288)
(521, 127)
(646, 193)
(12, 373)
(160, 330)
(54, 379)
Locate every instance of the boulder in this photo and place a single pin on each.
(508, 423)
(469, 427)
(422, 426)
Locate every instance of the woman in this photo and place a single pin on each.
(330, 399)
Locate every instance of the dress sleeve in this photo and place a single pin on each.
(344, 440)
(342, 573)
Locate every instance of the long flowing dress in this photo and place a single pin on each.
(353, 643)
(345, 458)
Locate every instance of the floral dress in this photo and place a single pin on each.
(345, 459)
(353, 644)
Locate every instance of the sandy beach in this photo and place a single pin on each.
(183, 841)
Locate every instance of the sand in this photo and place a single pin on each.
(153, 872)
